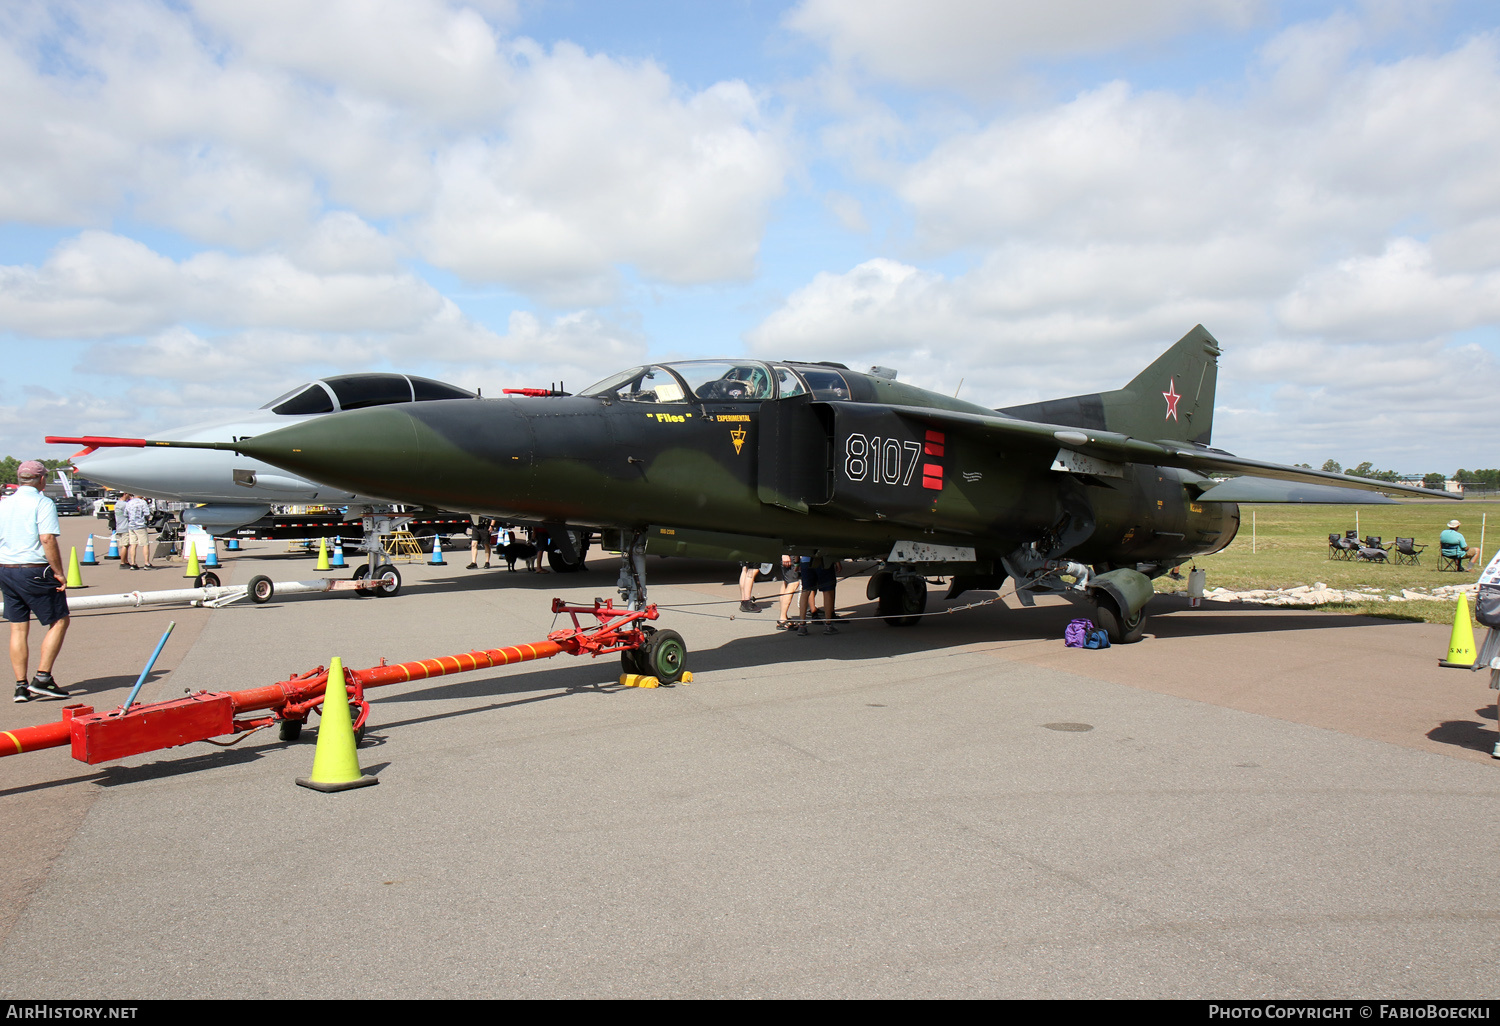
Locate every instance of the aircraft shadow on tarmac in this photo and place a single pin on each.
(863, 636)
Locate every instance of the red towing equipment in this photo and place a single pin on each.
(100, 737)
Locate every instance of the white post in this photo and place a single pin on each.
(1252, 532)
(1356, 525)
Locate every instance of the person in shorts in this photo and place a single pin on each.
(32, 580)
(747, 587)
(823, 579)
(132, 514)
(481, 535)
(791, 580)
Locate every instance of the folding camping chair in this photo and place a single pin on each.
(1408, 552)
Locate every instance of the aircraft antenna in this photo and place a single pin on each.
(960, 385)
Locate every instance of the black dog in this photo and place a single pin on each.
(515, 551)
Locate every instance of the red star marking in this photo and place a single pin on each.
(1171, 396)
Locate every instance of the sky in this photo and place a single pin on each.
(204, 203)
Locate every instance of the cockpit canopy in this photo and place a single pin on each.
(356, 391)
(720, 381)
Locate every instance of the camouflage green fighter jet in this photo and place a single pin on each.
(1090, 496)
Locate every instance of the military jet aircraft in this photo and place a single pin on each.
(1090, 496)
(235, 489)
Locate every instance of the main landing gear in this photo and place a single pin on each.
(900, 596)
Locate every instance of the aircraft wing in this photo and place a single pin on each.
(1261, 481)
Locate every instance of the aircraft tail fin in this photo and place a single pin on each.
(1171, 400)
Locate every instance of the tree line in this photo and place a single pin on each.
(1477, 479)
(10, 465)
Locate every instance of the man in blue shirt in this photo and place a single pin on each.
(1456, 547)
(32, 580)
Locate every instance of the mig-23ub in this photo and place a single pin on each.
(1090, 496)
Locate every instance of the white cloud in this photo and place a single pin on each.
(442, 58)
(602, 163)
(239, 126)
(103, 285)
(968, 44)
(1292, 220)
(1394, 296)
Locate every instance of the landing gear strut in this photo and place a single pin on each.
(632, 582)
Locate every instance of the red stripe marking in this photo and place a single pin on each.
(936, 436)
(932, 449)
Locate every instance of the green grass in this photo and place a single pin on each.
(1290, 548)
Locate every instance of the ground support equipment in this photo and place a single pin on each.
(259, 589)
(100, 737)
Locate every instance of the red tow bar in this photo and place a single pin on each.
(100, 737)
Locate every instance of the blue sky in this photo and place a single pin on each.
(203, 203)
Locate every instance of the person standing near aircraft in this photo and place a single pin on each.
(747, 587)
(790, 582)
(818, 578)
(132, 515)
(481, 534)
(32, 580)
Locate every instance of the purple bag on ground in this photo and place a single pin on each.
(1077, 634)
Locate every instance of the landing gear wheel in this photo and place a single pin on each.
(206, 579)
(390, 583)
(665, 656)
(902, 602)
(559, 564)
(260, 589)
(1122, 630)
(291, 730)
(633, 660)
(360, 573)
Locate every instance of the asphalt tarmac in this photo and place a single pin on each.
(1248, 803)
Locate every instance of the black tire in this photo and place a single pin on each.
(207, 579)
(360, 573)
(390, 583)
(633, 660)
(902, 602)
(291, 730)
(1121, 629)
(665, 656)
(260, 589)
(560, 565)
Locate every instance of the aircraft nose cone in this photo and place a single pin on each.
(363, 451)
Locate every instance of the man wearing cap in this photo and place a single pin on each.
(32, 580)
(1456, 547)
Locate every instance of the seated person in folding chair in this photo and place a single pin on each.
(1455, 547)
